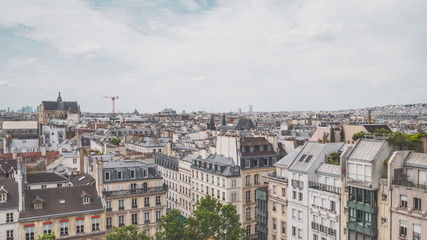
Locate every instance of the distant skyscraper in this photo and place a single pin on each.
(250, 108)
(239, 110)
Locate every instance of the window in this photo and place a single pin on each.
(80, 225)
(3, 197)
(121, 204)
(107, 176)
(132, 174)
(283, 227)
(9, 235)
(158, 216)
(283, 209)
(417, 232)
(248, 214)
(158, 200)
(233, 183)
(86, 200)
(108, 205)
(274, 224)
(108, 222)
(383, 220)
(402, 228)
(283, 192)
(421, 177)
(29, 233)
(294, 231)
(119, 175)
(47, 228)
(333, 206)
(248, 230)
(274, 206)
(247, 164)
(135, 219)
(403, 201)
(383, 197)
(233, 196)
(251, 149)
(256, 163)
(299, 215)
(146, 201)
(417, 203)
(294, 213)
(147, 217)
(9, 217)
(134, 202)
(294, 195)
(121, 221)
(299, 196)
(248, 196)
(95, 223)
(410, 174)
(299, 233)
(248, 180)
(63, 228)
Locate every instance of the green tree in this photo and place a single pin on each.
(172, 226)
(334, 158)
(47, 236)
(115, 141)
(358, 135)
(213, 220)
(129, 232)
(382, 130)
(398, 139)
(332, 134)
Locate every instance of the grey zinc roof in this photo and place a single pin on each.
(366, 150)
(329, 169)
(415, 159)
(60, 105)
(314, 149)
(51, 201)
(126, 167)
(11, 187)
(287, 160)
(45, 177)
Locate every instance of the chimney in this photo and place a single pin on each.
(21, 204)
(14, 153)
(43, 150)
(369, 116)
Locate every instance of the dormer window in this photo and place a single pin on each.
(132, 174)
(85, 197)
(3, 197)
(38, 203)
(119, 175)
(251, 149)
(107, 176)
(86, 200)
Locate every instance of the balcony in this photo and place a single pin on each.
(409, 183)
(121, 208)
(273, 176)
(147, 221)
(108, 209)
(324, 187)
(134, 206)
(134, 191)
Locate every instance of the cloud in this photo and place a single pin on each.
(3, 82)
(271, 51)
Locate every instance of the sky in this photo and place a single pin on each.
(277, 55)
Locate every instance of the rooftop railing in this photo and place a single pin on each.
(324, 187)
(135, 191)
(409, 183)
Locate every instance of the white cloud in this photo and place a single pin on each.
(263, 52)
(3, 82)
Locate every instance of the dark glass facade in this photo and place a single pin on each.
(362, 214)
(261, 213)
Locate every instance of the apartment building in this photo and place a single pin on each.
(363, 170)
(9, 209)
(257, 156)
(218, 176)
(325, 203)
(407, 173)
(272, 223)
(167, 167)
(74, 212)
(184, 192)
(302, 173)
(134, 193)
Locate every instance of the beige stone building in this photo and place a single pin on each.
(74, 212)
(407, 176)
(59, 110)
(134, 193)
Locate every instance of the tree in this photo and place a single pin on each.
(334, 158)
(332, 134)
(213, 220)
(173, 226)
(398, 139)
(382, 130)
(129, 232)
(325, 137)
(358, 135)
(115, 141)
(47, 236)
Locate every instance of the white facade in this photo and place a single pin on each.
(52, 136)
(184, 192)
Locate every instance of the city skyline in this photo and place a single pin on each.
(213, 55)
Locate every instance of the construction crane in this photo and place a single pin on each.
(113, 99)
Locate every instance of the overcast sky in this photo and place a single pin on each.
(213, 55)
